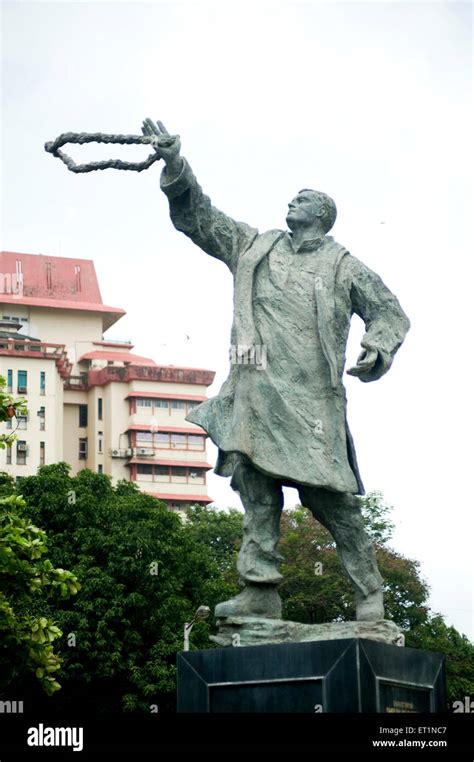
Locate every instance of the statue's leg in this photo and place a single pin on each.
(262, 498)
(340, 513)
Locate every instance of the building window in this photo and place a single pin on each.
(9, 456)
(162, 441)
(83, 448)
(195, 442)
(178, 474)
(42, 417)
(10, 381)
(22, 422)
(22, 381)
(9, 423)
(197, 475)
(42, 454)
(99, 408)
(143, 468)
(162, 474)
(42, 382)
(145, 472)
(158, 403)
(144, 437)
(178, 441)
(100, 469)
(21, 452)
(100, 442)
(83, 416)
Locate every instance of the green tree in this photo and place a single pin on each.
(435, 635)
(10, 407)
(314, 587)
(28, 581)
(143, 574)
(376, 514)
(221, 532)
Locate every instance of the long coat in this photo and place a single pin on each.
(286, 410)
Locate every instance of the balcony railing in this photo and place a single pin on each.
(27, 348)
(77, 383)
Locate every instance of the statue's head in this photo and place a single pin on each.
(310, 207)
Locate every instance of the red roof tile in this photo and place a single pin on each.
(99, 354)
(56, 283)
(163, 462)
(169, 396)
(166, 429)
(181, 497)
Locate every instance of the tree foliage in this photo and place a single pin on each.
(28, 581)
(10, 407)
(435, 635)
(144, 573)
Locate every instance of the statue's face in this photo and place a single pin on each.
(302, 210)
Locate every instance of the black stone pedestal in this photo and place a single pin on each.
(352, 675)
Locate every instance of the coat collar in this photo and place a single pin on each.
(312, 244)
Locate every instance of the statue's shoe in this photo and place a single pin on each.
(370, 608)
(254, 600)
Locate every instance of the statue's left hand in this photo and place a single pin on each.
(166, 146)
(365, 363)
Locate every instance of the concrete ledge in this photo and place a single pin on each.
(255, 631)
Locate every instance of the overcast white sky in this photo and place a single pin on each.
(370, 102)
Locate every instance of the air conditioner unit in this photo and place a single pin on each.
(22, 447)
(116, 453)
(22, 389)
(128, 453)
(145, 451)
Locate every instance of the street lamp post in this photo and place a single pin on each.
(201, 613)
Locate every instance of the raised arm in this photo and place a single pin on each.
(191, 210)
(385, 322)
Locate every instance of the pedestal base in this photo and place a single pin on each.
(256, 631)
(352, 675)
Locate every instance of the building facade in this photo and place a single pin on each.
(92, 402)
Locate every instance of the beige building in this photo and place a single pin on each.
(92, 402)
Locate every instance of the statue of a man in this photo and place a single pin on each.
(280, 417)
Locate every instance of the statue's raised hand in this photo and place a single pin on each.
(166, 146)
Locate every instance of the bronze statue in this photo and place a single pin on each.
(280, 417)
